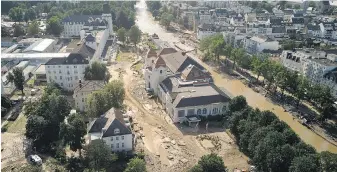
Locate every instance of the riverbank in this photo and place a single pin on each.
(147, 25)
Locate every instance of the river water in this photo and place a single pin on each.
(147, 24)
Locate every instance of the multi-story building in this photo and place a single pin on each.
(317, 66)
(206, 30)
(257, 44)
(83, 90)
(328, 30)
(234, 39)
(75, 23)
(313, 30)
(184, 87)
(66, 72)
(114, 129)
(259, 27)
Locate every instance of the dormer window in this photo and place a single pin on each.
(116, 131)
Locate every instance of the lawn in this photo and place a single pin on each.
(125, 57)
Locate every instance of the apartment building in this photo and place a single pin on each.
(66, 72)
(83, 90)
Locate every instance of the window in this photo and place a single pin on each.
(55, 77)
(190, 112)
(117, 138)
(112, 146)
(122, 137)
(215, 110)
(68, 72)
(116, 131)
(75, 71)
(204, 111)
(62, 84)
(199, 111)
(60, 71)
(48, 67)
(82, 99)
(122, 145)
(60, 77)
(59, 66)
(181, 113)
(112, 138)
(161, 71)
(117, 145)
(75, 67)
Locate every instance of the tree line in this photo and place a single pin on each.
(271, 144)
(164, 14)
(132, 35)
(123, 13)
(275, 76)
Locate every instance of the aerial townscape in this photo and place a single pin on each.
(169, 86)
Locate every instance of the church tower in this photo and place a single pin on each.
(107, 16)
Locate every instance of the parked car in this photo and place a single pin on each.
(35, 159)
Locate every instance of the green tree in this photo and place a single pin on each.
(97, 71)
(54, 25)
(30, 14)
(212, 163)
(18, 30)
(259, 64)
(216, 46)
(236, 54)
(73, 132)
(121, 35)
(166, 19)
(136, 165)
(33, 28)
(16, 14)
(309, 163)
(328, 161)
(312, 4)
(99, 155)
(17, 78)
(303, 85)
(134, 35)
(101, 101)
(238, 103)
(196, 168)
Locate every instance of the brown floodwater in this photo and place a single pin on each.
(147, 24)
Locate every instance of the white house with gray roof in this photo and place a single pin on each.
(114, 129)
(185, 88)
(257, 44)
(66, 72)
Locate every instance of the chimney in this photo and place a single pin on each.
(80, 82)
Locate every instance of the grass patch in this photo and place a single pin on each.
(31, 82)
(119, 58)
(138, 66)
(19, 125)
(125, 57)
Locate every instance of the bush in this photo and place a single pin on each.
(61, 155)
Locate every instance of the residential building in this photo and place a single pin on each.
(66, 72)
(328, 30)
(83, 90)
(184, 87)
(317, 66)
(234, 39)
(114, 129)
(313, 30)
(259, 27)
(75, 23)
(257, 44)
(206, 30)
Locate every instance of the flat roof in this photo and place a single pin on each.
(40, 46)
(34, 55)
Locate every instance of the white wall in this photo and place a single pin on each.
(118, 144)
(66, 76)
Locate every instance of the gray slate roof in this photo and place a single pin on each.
(73, 58)
(110, 121)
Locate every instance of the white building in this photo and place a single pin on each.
(328, 30)
(114, 129)
(66, 72)
(257, 44)
(42, 46)
(184, 87)
(83, 90)
(318, 66)
(313, 30)
(259, 27)
(75, 23)
(205, 30)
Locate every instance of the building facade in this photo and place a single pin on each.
(83, 90)
(114, 129)
(66, 72)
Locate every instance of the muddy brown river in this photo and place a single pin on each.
(147, 24)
